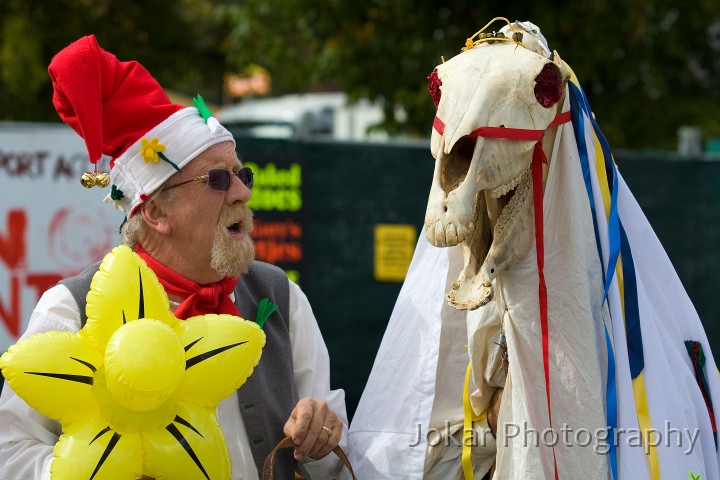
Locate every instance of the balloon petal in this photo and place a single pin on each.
(54, 373)
(124, 289)
(221, 353)
(91, 450)
(191, 447)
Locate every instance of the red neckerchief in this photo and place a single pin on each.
(199, 299)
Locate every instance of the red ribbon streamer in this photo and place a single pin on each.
(537, 176)
(508, 133)
(538, 160)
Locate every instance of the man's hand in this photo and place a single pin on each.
(305, 427)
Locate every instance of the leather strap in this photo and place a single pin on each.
(269, 465)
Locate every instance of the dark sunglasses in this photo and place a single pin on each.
(220, 179)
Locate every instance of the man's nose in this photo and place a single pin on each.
(238, 192)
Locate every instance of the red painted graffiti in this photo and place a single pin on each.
(13, 253)
(11, 316)
(12, 245)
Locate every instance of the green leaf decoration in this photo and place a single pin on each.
(265, 309)
(163, 157)
(199, 103)
(116, 193)
(694, 476)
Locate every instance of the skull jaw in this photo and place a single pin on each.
(470, 292)
(474, 203)
(512, 238)
(470, 298)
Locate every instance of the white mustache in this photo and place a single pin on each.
(237, 214)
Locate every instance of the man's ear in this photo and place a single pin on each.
(155, 217)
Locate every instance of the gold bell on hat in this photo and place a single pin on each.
(102, 179)
(94, 179)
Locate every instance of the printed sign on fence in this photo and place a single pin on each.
(50, 226)
(277, 204)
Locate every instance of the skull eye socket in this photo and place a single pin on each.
(548, 85)
(456, 164)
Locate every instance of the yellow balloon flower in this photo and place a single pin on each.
(136, 389)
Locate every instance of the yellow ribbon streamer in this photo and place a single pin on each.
(469, 418)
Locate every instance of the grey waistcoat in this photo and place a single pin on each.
(268, 396)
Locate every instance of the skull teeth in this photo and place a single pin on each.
(498, 192)
(448, 235)
(451, 234)
(463, 231)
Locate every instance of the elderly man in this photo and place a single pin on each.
(175, 174)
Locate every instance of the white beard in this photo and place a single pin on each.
(228, 256)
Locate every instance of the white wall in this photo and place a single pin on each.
(50, 225)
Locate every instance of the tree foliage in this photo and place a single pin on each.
(648, 67)
(179, 51)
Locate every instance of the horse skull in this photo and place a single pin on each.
(481, 194)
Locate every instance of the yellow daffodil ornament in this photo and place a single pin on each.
(151, 150)
(136, 389)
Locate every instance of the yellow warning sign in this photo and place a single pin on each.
(394, 247)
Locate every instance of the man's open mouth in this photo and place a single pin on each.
(235, 227)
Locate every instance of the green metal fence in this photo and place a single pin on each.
(348, 189)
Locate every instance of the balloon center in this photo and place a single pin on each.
(144, 363)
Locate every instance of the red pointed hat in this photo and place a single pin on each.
(121, 111)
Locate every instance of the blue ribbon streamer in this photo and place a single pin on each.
(611, 389)
(632, 310)
(619, 245)
(611, 401)
(611, 173)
